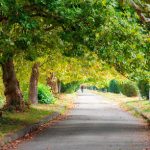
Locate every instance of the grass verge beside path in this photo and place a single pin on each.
(129, 103)
(12, 122)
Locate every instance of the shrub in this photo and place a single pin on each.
(70, 87)
(45, 94)
(103, 89)
(129, 89)
(144, 88)
(114, 86)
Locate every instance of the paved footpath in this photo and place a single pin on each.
(95, 124)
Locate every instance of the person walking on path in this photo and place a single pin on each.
(82, 87)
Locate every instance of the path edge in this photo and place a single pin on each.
(141, 114)
(22, 132)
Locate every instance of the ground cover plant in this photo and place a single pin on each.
(45, 95)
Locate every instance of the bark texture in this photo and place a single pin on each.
(52, 81)
(59, 86)
(142, 10)
(33, 89)
(14, 97)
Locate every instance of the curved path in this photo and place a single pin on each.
(95, 124)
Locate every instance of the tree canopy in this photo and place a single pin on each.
(85, 36)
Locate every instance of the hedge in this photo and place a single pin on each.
(144, 88)
(129, 89)
(70, 87)
(114, 86)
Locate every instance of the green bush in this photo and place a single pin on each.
(114, 86)
(105, 89)
(45, 94)
(70, 87)
(144, 88)
(129, 89)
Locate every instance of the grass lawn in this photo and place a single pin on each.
(11, 122)
(142, 105)
(128, 102)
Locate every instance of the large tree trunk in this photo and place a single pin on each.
(14, 97)
(33, 89)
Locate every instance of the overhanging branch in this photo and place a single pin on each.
(139, 12)
(34, 10)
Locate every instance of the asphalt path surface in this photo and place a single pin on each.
(95, 124)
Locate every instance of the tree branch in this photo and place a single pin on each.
(34, 10)
(139, 12)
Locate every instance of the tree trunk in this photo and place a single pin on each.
(149, 94)
(59, 86)
(33, 89)
(52, 82)
(14, 97)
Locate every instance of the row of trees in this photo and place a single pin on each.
(74, 33)
(130, 88)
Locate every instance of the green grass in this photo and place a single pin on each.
(142, 105)
(11, 122)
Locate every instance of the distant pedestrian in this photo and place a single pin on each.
(82, 87)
